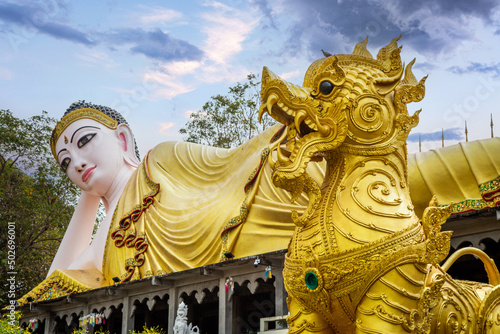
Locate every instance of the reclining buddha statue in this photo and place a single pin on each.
(186, 205)
(171, 212)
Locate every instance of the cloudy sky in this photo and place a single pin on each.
(157, 61)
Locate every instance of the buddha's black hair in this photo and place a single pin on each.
(105, 110)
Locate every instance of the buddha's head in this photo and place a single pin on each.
(91, 144)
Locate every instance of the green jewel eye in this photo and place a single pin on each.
(311, 280)
(85, 139)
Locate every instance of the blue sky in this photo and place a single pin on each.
(157, 61)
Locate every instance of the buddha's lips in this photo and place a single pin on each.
(87, 174)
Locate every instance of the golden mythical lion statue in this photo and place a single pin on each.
(360, 261)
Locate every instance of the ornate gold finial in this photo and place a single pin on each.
(409, 78)
(74, 116)
(409, 90)
(390, 58)
(385, 52)
(360, 49)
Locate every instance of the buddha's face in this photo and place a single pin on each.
(91, 155)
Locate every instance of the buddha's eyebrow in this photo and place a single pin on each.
(83, 127)
(61, 151)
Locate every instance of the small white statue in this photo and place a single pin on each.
(181, 325)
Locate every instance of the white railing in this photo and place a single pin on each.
(280, 326)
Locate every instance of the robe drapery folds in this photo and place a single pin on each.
(467, 174)
(187, 204)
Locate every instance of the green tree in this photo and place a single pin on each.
(228, 120)
(10, 325)
(36, 202)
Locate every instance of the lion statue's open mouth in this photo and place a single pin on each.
(314, 116)
(315, 122)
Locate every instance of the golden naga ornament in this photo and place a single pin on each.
(360, 261)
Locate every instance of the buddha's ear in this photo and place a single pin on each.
(127, 144)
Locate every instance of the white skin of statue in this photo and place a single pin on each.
(99, 161)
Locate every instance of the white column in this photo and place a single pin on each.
(173, 303)
(127, 315)
(280, 293)
(225, 309)
(50, 322)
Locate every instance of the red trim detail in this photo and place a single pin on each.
(496, 204)
(258, 170)
(132, 240)
(488, 196)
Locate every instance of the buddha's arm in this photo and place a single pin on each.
(78, 234)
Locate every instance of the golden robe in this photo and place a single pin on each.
(467, 174)
(187, 204)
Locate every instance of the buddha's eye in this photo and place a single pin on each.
(85, 139)
(64, 164)
(326, 87)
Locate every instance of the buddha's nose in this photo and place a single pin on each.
(79, 164)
